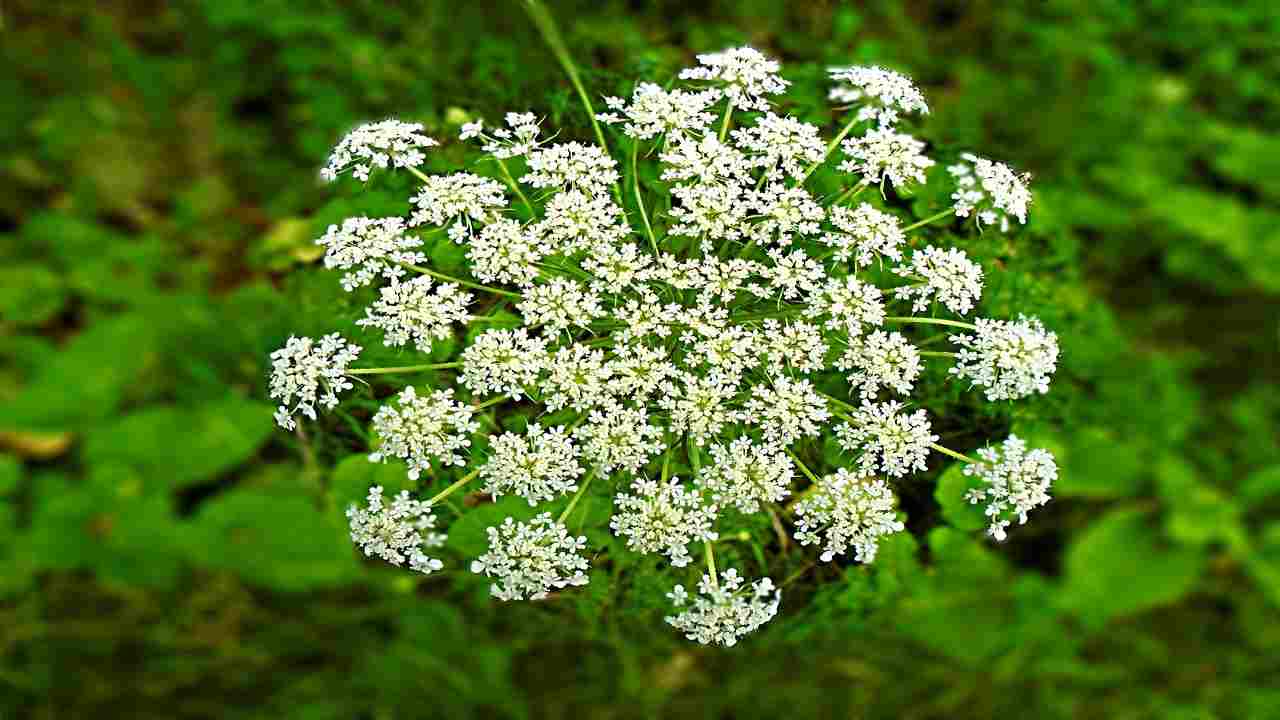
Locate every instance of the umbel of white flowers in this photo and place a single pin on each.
(728, 320)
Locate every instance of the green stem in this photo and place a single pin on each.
(515, 187)
(417, 173)
(464, 283)
(711, 565)
(803, 468)
(403, 368)
(852, 192)
(490, 402)
(941, 214)
(830, 146)
(453, 488)
(546, 24)
(724, 124)
(576, 497)
(953, 453)
(838, 401)
(930, 321)
(635, 185)
(936, 353)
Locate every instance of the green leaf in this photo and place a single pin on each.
(1121, 566)
(175, 447)
(30, 295)
(468, 533)
(1097, 464)
(950, 494)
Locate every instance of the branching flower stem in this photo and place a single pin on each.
(464, 283)
(830, 146)
(438, 497)
(932, 218)
(403, 368)
(952, 453)
(576, 497)
(635, 186)
(931, 321)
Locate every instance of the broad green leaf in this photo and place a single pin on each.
(953, 484)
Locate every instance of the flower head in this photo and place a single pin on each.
(745, 474)
(654, 111)
(414, 310)
(724, 610)
(948, 276)
(889, 440)
(663, 517)
(1015, 481)
(389, 143)
(503, 361)
(1011, 359)
(882, 94)
(990, 189)
(417, 429)
(883, 154)
(368, 248)
(864, 233)
(463, 197)
(530, 559)
(538, 466)
(744, 74)
(397, 533)
(847, 510)
(881, 360)
(306, 373)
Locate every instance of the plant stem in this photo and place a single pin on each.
(403, 368)
(953, 453)
(853, 192)
(838, 401)
(453, 488)
(711, 565)
(941, 214)
(804, 468)
(417, 173)
(936, 353)
(830, 146)
(635, 185)
(546, 25)
(515, 187)
(724, 124)
(576, 497)
(490, 402)
(931, 321)
(464, 283)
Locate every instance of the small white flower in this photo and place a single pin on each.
(389, 143)
(787, 410)
(654, 111)
(460, 196)
(1015, 482)
(794, 275)
(306, 373)
(413, 311)
(538, 466)
(883, 154)
(744, 74)
(716, 212)
(864, 233)
(847, 511)
(397, 533)
(577, 377)
(991, 189)
(745, 474)
(519, 137)
(578, 221)
(1010, 359)
(369, 247)
(781, 145)
(560, 305)
(505, 251)
(881, 360)
(618, 438)
(571, 165)
(796, 345)
(725, 611)
(471, 130)
(948, 276)
(890, 441)
(503, 361)
(530, 559)
(706, 161)
(848, 304)
(663, 518)
(784, 212)
(699, 405)
(417, 429)
(882, 94)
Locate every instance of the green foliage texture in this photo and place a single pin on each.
(166, 553)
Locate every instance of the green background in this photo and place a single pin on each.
(166, 553)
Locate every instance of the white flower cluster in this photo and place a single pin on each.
(530, 559)
(397, 533)
(418, 429)
(881, 94)
(990, 190)
(1015, 481)
(1010, 359)
(389, 143)
(306, 373)
(725, 609)
(720, 325)
(845, 511)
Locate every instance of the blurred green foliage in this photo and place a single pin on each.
(167, 554)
